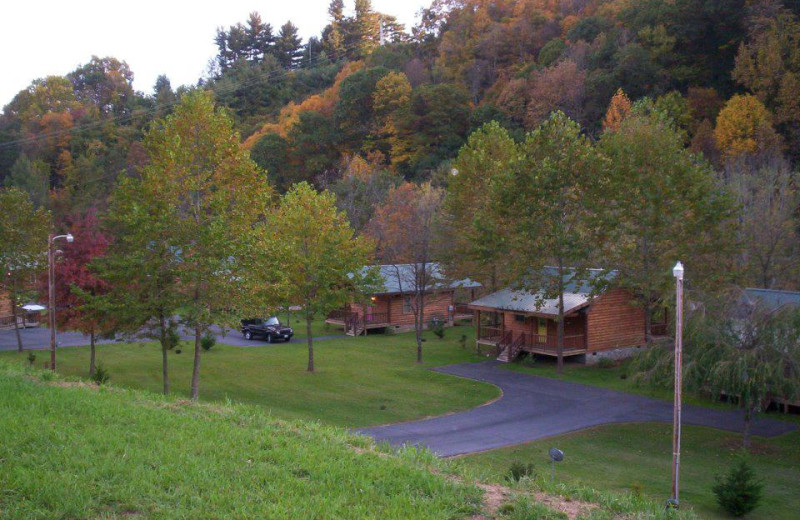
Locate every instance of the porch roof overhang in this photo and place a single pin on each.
(529, 304)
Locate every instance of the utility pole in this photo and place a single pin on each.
(51, 292)
(676, 410)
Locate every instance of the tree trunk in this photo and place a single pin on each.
(92, 354)
(419, 323)
(310, 341)
(196, 368)
(748, 420)
(560, 324)
(164, 359)
(648, 322)
(16, 325)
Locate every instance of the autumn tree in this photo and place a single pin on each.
(618, 109)
(390, 98)
(744, 126)
(77, 287)
(560, 87)
(23, 248)
(405, 229)
(364, 29)
(548, 196)
(320, 259)
(364, 184)
(663, 205)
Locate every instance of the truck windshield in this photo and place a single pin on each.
(272, 321)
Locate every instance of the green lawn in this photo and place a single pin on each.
(636, 458)
(359, 381)
(75, 452)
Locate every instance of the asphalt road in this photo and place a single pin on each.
(39, 338)
(533, 408)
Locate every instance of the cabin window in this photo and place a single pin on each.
(519, 318)
(542, 323)
(407, 305)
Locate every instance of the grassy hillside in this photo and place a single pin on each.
(359, 381)
(73, 451)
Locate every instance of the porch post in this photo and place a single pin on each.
(478, 326)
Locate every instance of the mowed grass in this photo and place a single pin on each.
(72, 451)
(636, 458)
(358, 381)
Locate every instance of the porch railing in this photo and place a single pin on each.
(658, 329)
(461, 309)
(376, 317)
(490, 333)
(340, 315)
(548, 342)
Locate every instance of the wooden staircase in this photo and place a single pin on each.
(502, 347)
(354, 325)
(510, 349)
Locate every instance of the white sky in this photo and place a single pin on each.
(172, 37)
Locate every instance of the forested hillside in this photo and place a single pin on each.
(369, 104)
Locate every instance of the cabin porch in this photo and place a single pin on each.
(510, 334)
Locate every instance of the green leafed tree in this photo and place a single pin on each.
(546, 200)
(199, 199)
(661, 205)
(319, 257)
(471, 242)
(23, 248)
(288, 46)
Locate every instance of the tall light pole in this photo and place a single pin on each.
(677, 271)
(51, 292)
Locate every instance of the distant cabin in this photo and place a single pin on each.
(771, 299)
(392, 306)
(599, 320)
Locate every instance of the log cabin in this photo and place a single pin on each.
(392, 305)
(599, 320)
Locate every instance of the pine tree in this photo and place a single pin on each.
(333, 36)
(738, 492)
(288, 46)
(365, 29)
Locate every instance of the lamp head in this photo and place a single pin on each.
(70, 238)
(677, 271)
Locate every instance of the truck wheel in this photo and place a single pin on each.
(248, 335)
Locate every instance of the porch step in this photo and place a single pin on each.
(503, 357)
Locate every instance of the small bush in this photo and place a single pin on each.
(528, 361)
(101, 375)
(738, 492)
(436, 325)
(47, 375)
(463, 341)
(208, 341)
(518, 470)
(390, 331)
(31, 358)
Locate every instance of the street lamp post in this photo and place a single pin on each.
(677, 271)
(51, 292)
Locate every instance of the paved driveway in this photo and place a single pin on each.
(39, 338)
(534, 407)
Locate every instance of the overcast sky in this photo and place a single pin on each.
(172, 37)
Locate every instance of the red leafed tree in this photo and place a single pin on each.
(76, 284)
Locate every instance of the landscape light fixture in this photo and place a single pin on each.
(556, 455)
(677, 271)
(51, 291)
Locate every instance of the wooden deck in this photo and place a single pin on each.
(495, 337)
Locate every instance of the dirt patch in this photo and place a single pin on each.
(571, 508)
(756, 448)
(73, 384)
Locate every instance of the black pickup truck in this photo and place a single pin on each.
(270, 329)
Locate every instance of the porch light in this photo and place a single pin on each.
(373, 298)
(677, 271)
